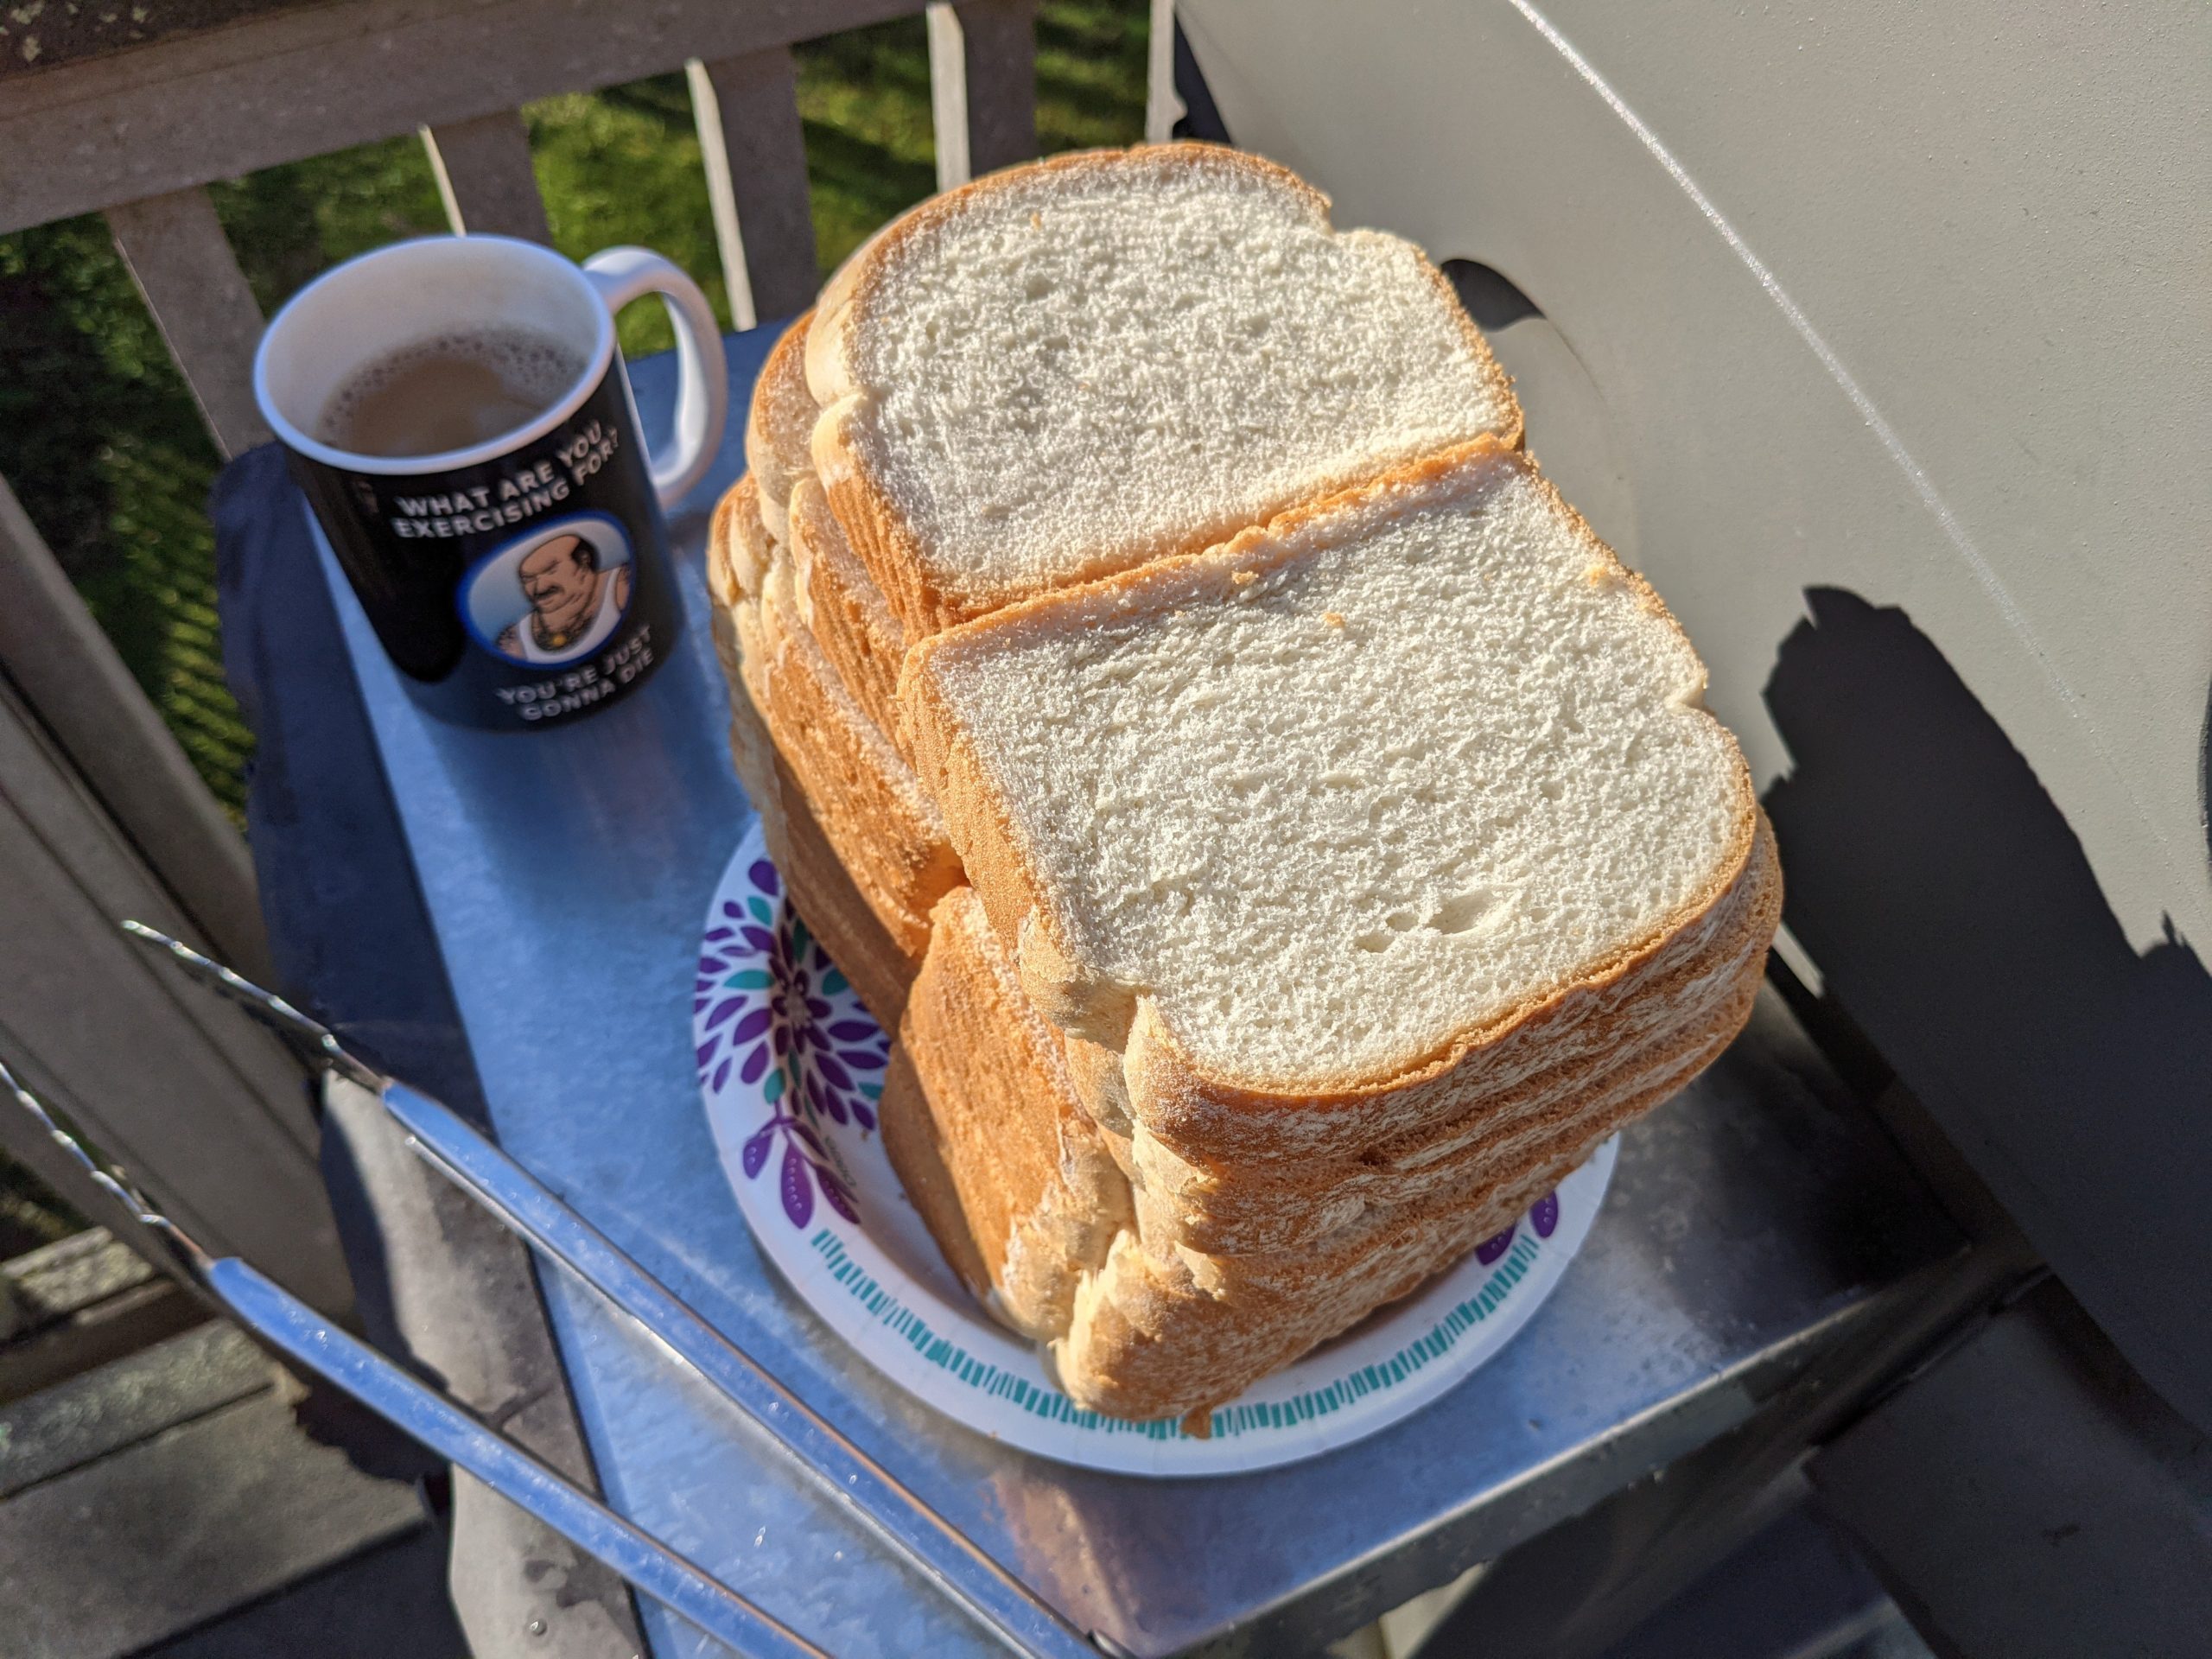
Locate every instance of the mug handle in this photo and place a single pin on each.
(622, 274)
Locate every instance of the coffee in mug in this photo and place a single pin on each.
(459, 417)
(449, 392)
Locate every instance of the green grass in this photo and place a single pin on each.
(99, 437)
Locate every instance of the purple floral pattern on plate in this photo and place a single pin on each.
(1543, 1218)
(772, 1013)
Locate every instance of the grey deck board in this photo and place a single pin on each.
(79, 1303)
(132, 1399)
(74, 1273)
(387, 1603)
(157, 1539)
(95, 1335)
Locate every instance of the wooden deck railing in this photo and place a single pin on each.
(101, 815)
(139, 134)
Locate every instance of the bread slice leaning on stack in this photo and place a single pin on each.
(1286, 840)
(1269, 1205)
(1333, 837)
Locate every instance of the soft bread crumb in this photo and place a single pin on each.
(1023, 406)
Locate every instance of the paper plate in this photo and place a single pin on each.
(791, 1066)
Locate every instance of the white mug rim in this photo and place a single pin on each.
(602, 359)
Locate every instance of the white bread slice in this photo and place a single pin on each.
(779, 428)
(739, 547)
(1030, 1180)
(844, 610)
(1348, 817)
(918, 1150)
(1072, 368)
(840, 603)
(820, 889)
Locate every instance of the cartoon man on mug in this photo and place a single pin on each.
(573, 605)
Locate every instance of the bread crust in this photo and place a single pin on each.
(1279, 1204)
(885, 826)
(820, 890)
(1158, 1334)
(816, 879)
(779, 428)
(1433, 1122)
(738, 546)
(922, 586)
(1037, 1193)
(919, 1155)
(843, 610)
(1234, 1117)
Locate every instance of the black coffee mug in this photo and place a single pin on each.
(523, 581)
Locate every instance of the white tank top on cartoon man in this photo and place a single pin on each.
(602, 623)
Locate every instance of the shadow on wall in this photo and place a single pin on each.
(1951, 909)
(2204, 781)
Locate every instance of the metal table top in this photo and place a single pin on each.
(1751, 1222)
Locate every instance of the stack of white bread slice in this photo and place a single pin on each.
(1284, 838)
